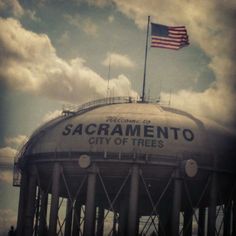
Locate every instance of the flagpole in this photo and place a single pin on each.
(145, 61)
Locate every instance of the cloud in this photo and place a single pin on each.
(16, 141)
(6, 176)
(75, 20)
(29, 63)
(210, 26)
(7, 152)
(7, 155)
(7, 218)
(87, 25)
(213, 103)
(99, 3)
(111, 19)
(64, 38)
(121, 83)
(12, 6)
(118, 60)
(31, 15)
(51, 115)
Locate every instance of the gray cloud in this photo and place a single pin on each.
(12, 6)
(211, 27)
(7, 218)
(51, 115)
(7, 156)
(17, 141)
(29, 63)
(87, 25)
(118, 60)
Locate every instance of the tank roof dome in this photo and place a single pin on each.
(125, 126)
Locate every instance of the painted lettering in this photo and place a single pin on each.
(162, 132)
(132, 130)
(99, 140)
(91, 140)
(78, 129)
(151, 143)
(160, 144)
(117, 130)
(188, 135)
(175, 132)
(67, 129)
(117, 141)
(148, 131)
(90, 129)
(103, 129)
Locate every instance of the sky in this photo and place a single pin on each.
(56, 52)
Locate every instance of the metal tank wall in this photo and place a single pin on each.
(116, 167)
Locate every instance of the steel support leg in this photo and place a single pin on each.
(161, 224)
(212, 208)
(133, 202)
(30, 207)
(43, 214)
(164, 228)
(36, 227)
(201, 221)
(188, 221)
(76, 218)
(227, 219)
(100, 222)
(89, 224)
(55, 199)
(176, 204)
(123, 216)
(68, 218)
(234, 219)
(114, 224)
(22, 203)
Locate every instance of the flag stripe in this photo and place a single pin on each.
(156, 41)
(176, 27)
(177, 32)
(154, 44)
(169, 37)
(166, 46)
(177, 36)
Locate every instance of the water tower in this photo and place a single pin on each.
(128, 168)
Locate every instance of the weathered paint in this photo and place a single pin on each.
(141, 128)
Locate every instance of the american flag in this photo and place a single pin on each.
(169, 37)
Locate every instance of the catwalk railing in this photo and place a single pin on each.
(73, 109)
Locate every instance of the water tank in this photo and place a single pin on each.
(133, 159)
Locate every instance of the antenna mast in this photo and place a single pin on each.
(109, 75)
(170, 97)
